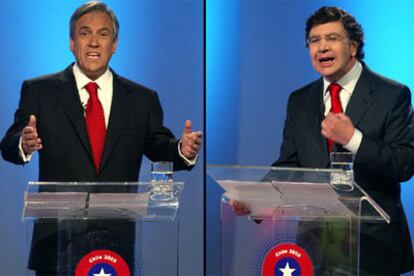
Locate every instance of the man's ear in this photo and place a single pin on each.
(114, 46)
(354, 47)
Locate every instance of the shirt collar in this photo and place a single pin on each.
(348, 81)
(82, 80)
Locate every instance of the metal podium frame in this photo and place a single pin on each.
(78, 205)
(292, 218)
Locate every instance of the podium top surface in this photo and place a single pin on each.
(309, 193)
(74, 183)
(154, 201)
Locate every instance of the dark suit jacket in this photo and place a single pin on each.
(135, 128)
(381, 109)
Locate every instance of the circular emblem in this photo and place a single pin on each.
(102, 263)
(287, 259)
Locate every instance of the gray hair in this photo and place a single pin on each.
(91, 7)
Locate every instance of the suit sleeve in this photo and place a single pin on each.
(27, 106)
(288, 152)
(160, 143)
(391, 157)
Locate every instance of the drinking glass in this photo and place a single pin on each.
(343, 161)
(161, 181)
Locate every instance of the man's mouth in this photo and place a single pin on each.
(93, 55)
(326, 60)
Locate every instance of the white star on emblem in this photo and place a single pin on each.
(102, 273)
(287, 271)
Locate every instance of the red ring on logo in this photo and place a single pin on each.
(287, 250)
(102, 256)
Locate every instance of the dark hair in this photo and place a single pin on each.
(333, 14)
(91, 7)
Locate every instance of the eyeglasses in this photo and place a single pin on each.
(330, 38)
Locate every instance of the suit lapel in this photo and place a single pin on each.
(359, 103)
(72, 106)
(362, 97)
(315, 108)
(119, 113)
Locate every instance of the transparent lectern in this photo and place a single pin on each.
(104, 228)
(291, 221)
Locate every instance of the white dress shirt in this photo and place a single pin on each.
(348, 83)
(105, 89)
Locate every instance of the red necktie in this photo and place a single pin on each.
(95, 123)
(336, 107)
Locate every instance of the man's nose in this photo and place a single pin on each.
(323, 45)
(93, 42)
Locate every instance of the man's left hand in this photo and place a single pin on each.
(190, 141)
(338, 127)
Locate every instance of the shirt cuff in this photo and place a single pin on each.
(23, 156)
(355, 142)
(187, 161)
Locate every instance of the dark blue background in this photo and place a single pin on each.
(160, 45)
(256, 57)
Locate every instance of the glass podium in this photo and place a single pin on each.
(113, 228)
(294, 221)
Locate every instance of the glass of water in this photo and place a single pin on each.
(161, 181)
(343, 161)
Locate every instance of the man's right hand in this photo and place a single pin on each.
(239, 208)
(30, 139)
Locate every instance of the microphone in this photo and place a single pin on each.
(84, 107)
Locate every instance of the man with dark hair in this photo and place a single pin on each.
(350, 108)
(91, 125)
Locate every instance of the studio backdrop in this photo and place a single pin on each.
(160, 45)
(256, 56)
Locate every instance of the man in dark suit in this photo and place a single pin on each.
(375, 122)
(54, 116)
